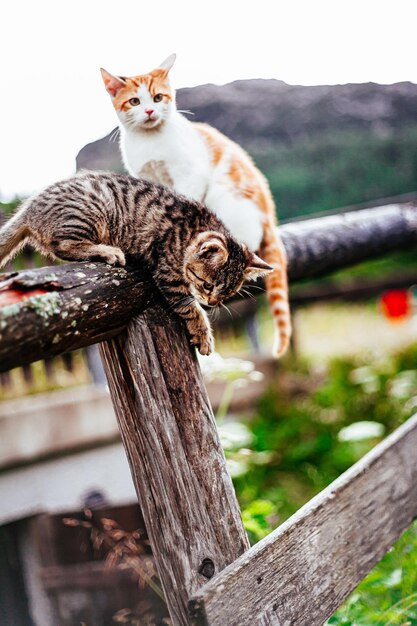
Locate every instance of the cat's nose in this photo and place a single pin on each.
(149, 112)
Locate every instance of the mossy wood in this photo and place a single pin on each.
(47, 311)
(51, 310)
(170, 436)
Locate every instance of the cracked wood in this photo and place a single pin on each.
(52, 310)
(186, 494)
(303, 571)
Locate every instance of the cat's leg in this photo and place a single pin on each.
(75, 250)
(199, 328)
(196, 320)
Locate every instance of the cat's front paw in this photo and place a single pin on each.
(110, 255)
(204, 341)
(116, 258)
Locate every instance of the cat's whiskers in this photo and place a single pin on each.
(257, 287)
(243, 293)
(214, 313)
(114, 134)
(130, 120)
(185, 111)
(248, 293)
(186, 301)
(227, 309)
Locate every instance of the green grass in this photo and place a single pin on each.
(388, 595)
(294, 449)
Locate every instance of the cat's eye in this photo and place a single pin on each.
(158, 97)
(134, 102)
(208, 286)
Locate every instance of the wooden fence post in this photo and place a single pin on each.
(177, 463)
(168, 429)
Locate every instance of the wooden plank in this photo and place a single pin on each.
(48, 311)
(62, 422)
(303, 571)
(185, 492)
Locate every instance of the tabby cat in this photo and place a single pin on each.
(190, 254)
(160, 144)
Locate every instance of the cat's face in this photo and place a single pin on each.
(216, 267)
(142, 102)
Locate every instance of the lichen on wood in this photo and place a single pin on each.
(103, 299)
(52, 311)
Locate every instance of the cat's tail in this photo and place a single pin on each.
(273, 252)
(13, 236)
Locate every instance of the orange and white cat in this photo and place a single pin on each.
(160, 144)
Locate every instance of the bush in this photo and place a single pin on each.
(304, 434)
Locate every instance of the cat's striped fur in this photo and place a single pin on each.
(109, 217)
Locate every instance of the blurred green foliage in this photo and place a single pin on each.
(27, 258)
(388, 595)
(300, 442)
(297, 426)
(7, 208)
(337, 169)
(389, 264)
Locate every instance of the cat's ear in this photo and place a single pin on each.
(112, 83)
(214, 250)
(168, 63)
(256, 267)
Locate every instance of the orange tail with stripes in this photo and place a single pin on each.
(273, 252)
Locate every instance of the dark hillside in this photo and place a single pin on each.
(259, 113)
(321, 147)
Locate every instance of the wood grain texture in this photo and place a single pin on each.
(177, 463)
(303, 571)
(85, 303)
(51, 310)
(325, 244)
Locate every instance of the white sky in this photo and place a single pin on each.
(51, 94)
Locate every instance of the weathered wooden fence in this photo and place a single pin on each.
(304, 570)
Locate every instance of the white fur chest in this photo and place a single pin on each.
(173, 155)
(177, 156)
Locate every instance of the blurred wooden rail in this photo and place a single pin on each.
(172, 444)
(356, 290)
(69, 420)
(62, 308)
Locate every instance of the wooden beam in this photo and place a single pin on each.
(185, 492)
(303, 571)
(318, 246)
(47, 311)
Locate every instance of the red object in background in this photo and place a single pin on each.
(397, 304)
(12, 296)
